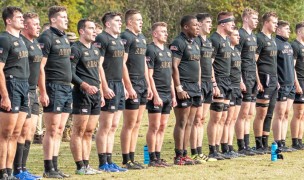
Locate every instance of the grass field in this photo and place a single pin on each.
(257, 167)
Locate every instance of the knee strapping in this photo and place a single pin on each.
(262, 104)
(217, 106)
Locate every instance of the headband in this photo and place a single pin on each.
(225, 20)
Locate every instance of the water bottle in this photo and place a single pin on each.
(274, 155)
(146, 155)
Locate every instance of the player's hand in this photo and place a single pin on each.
(173, 103)
(44, 99)
(131, 93)
(126, 94)
(243, 87)
(299, 89)
(108, 93)
(183, 95)
(6, 103)
(102, 101)
(150, 94)
(89, 89)
(216, 91)
(260, 87)
(157, 101)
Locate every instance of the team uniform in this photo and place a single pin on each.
(189, 52)
(206, 68)
(14, 54)
(298, 54)
(135, 47)
(58, 74)
(222, 64)
(285, 69)
(112, 50)
(235, 76)
(247, 47)
(85, 66)
(161, 62)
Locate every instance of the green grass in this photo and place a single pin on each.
(257, 167)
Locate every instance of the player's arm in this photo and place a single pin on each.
(173, 103)
(150, 59)
(5, 48)
(150, 92)
(296, 83)
(176, 79)
(107, 92)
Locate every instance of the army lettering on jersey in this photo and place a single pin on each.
(56, 48)
(35, 57)
(247, 47)
(161, 62)
(221, 55)
(298, 54)
(206, 60)
(189, 52)
(112, 50)
(85, 64)
(267, 51)
(135, 47)
(235, 72)
(14, 54)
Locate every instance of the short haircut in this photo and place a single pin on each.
(223, 14)
(267, 15)
(30, 15)
(299, 26)
(249, 12)
(157, 24)
(202, 16)
(98, 26)
(8, 12)
(45, 25)
(186, 20)
(130, 13)
(82, 24)
(282, 23)
(109, 16)
(54, 10)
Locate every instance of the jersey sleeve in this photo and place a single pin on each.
(295, 50)
(215, 45)
(45, 44)
(75, 57)
(260, 44)
(127, 41)
(150, 57)
(177, 48)
(5, 46)
(101, 43)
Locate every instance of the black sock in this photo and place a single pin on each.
(178, 152)
(193, 151)
(2, 172)
(224, 147)
(55, 162)
(26, 151)
(86, 163)
(102, 159)
(48, 165)
(230, 147)
(217, 148)
(157, 154)
(199, 150)
(279, 143)
(258, 142)
(109, 158)
(18, 158)
(125, 158)
(283, 142)
(152, 156)
(132, 154)
(79, 164)
(241, 144)
(9, 171)
(295, 142)
(246, 140)
(185, 152)
(300, 142)
(211, 149)
(265, 141)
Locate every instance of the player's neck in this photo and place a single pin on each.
(222, 33)
(300, 40)
(85, 43)
(54, 26)
(27, 36)
(159, 44)
(13, 31)
(111, 33)
(266, 32)
(132, 30)
(247, 28)
(203, 35)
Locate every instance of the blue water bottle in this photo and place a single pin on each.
(146, 155)
(274, 155)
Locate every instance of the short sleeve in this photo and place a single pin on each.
(260, 44)
(127, 41)
(45, 43)
(150, 57)
(177, 48)
(4, 48)
(215, 46)
(101, 43)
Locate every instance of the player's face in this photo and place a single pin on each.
(89, 32)
(137, 22)
(235, 37)
(61, 20)
(115, 25)
(161, 34)
(272, 24)
(253, 21)
(284, 31)
(193, 28)
(98, 30)
(206, 25)
(17, 21)
(229, 26)
(32, 26)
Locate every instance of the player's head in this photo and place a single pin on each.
(250, 17)
(235, 37)
(86, 30)
(300, 29)
(12, 16)
(134, 20)
(112, 22)
(270, 21)
(45, 26)
(31, 24)
(189, 25)
(98, 28)
(159, 32)
(225, 21)
(58, 17)
(204, 22)
(283, 29)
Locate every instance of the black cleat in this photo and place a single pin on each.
(52, 174)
